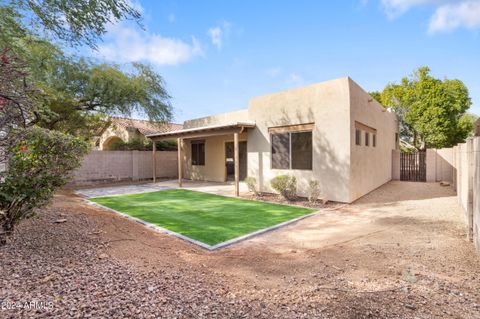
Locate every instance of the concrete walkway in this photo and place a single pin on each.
(379, 213)
(224, 189)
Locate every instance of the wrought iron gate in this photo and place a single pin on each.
(413, 167)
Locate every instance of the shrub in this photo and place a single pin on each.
(285, 185)
(252, 185)
(313, 191)
(138, 144)
(39, 164)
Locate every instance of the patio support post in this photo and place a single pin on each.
(154, 161)
(179, 148)
(236, 162)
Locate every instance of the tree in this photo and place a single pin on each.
(72, 22)
(432, 112)
(39, 84)
(77, 92)
(18, 102)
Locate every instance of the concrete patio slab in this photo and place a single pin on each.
(224, 189)
(121, 190)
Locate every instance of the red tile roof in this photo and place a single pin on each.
(145, 127)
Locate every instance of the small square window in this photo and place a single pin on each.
(367, 137)
(374, 140)
(358, 136)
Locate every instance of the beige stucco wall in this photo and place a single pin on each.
(370, 166)
(396, 165)
(214, 169)
(117, 131)
(326, 105)
(224, 118)
(345, 172)
(444, 165)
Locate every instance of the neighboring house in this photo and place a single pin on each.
(126, 130)
(333, 132)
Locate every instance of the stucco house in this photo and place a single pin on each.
(127, 129)
(333, 132)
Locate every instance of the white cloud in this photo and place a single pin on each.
(450, 17)
(215, 35)
(395, 8)
(136, 5)
(128, 44)
(363, 3)
(448, 14)
(218, 33)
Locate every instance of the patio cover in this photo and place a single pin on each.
(199, 132)
(203, 131)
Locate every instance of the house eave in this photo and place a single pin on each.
(221, 129)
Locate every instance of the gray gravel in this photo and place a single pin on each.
(71, 268)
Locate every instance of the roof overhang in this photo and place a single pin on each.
(204, 131)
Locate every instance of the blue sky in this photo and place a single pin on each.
(215, 55)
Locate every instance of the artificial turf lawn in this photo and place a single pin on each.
(208, 218)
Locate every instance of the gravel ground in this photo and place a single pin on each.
(399, 252)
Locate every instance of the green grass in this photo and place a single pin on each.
(208, 218)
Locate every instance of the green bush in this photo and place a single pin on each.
(138, 144)
(285, 185)
(39, 164)
(252, 185)
(313, 191)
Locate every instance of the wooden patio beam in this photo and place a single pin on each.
(180, 160)
(154, 161)
(237, 165)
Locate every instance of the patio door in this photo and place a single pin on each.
(230, 160)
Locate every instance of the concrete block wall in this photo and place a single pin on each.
(476, 192)
(103, 166)
(467, 175)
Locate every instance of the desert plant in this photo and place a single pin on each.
(286, 185)
(252, 185)
(313, 191)
(39, 164)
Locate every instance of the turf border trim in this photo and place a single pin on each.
(199, 243)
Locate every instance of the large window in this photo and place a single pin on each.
(281, 150)
(198, 153)
(292, 150)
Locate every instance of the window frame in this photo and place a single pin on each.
(290, 150)
(197, 160)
